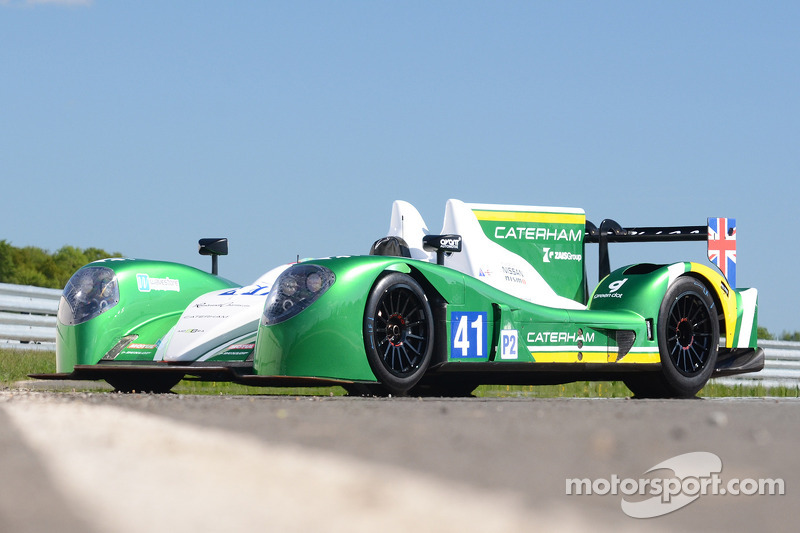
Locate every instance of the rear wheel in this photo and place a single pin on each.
(688, 341)
(398, 332)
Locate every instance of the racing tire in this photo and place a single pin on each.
(140, 383)
(688, 341)
(398, 332)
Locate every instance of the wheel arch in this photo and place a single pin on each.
(724, 298)
(436, 300)
(432, 293)
(714, 296)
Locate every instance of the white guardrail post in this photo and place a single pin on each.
(28, 317)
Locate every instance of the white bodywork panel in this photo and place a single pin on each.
(407, 224)
(480, 257)
(486, 260)
(216, 320)
(749, 304)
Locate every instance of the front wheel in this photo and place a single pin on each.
(398, 332)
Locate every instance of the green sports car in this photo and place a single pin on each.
(500, 297)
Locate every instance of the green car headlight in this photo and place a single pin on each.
(90, 292)
(298, 287)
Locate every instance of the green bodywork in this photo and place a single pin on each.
(145, 310)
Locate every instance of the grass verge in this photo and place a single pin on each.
(15, 365)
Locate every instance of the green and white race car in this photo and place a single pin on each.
(506, 302)
(499, 296)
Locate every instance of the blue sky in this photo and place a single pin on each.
(290, 127)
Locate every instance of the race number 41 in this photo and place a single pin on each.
(468, 335)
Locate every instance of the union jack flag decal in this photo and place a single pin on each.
(722, 246)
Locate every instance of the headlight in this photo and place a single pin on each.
(298, 287)
(89, 292)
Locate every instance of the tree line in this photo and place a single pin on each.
(30, 265)
(763, 333)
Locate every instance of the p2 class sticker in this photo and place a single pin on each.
(509, 345)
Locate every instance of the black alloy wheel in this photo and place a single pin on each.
(398, 332)
(688, 341)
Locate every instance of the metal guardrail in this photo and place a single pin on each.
(28, 317)
(28, 321)
(781, 367)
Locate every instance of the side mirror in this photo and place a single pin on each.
(441, 244)
(214, 248)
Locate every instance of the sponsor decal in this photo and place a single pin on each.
(560, 337)
(135, 346)
(242, 347)
(695, 474)
(613, 287)
(468, 335)
(450, 243)
(227, 304)
(609, 295)
(257, 290)
(560, 256)
(143, 282)
(514, 275)
(537, 234)
(146, 284)
(191, 330)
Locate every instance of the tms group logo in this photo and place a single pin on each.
(695, 474)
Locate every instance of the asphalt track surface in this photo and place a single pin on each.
(97, 462)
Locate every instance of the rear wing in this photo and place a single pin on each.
(720, 233)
